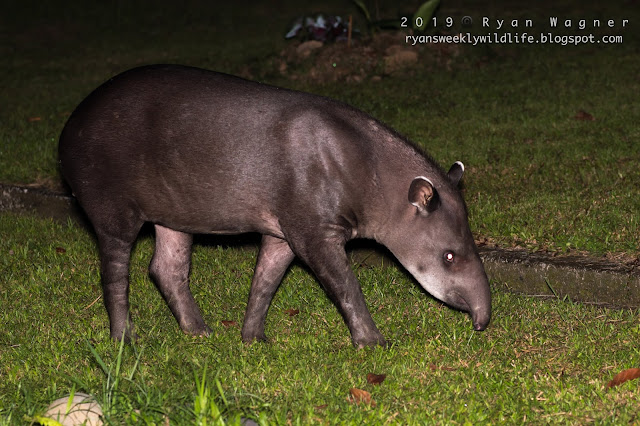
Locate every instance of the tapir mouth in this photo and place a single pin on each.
(480, 316)
(457, 301)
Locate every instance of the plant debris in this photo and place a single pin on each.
(583, 115)
(319, 27)
(624, 376)
(359, 396)
(376, 379)
(370, 58)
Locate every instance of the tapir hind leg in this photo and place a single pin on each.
(170, 270)
(273, 260)
(115, 252)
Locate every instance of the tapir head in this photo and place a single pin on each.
(434, 243)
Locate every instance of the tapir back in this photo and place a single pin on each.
(214, 152)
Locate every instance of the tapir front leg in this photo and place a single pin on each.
(274, 258)
(329, 262)
(170, 270)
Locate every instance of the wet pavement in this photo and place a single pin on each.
(579, 278)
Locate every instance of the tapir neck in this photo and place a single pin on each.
(396, 163)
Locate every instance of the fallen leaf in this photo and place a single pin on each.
(60, 250)
(229, 323)
(321, 407)
(361, 396)
(584, 116)
(292, 312)
(434, 367)
(32, 119)
(376, 379)
(624, 376)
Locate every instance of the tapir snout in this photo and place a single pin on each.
(481, 311)
(477, 304)
(474, 297)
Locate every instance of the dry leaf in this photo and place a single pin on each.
(60, 250)
(292, 312)
(434, 367)
(584, 116)
(624, 376)
(361, 396)
(229, 323)
(376, 379)
(32, 119)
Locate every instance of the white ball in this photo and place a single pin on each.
(82, 410)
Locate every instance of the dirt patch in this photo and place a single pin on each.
(367, 58)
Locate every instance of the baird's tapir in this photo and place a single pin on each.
(199, 152)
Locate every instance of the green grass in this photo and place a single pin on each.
(539, 361)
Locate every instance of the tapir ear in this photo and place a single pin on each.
(423, 195)
(455, 172)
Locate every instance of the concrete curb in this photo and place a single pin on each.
(577, 278)
(42, 202)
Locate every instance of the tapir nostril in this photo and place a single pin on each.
(478, 326)
(480, 320)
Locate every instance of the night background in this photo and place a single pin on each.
(548, 132)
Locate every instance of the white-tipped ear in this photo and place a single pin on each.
(423, 194)
(455, 172)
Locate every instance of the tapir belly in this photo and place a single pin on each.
(186, 200)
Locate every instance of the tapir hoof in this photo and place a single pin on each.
(200, 330)
(128, 335)
(249, 338)
(374, 340)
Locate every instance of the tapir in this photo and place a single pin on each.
(199, 152)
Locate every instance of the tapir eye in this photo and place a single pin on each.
(449, 257)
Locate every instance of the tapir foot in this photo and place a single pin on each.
(127, 333)
(200, 330)
(373, 339)
(114, 268)
(170, 270)
(250, 336)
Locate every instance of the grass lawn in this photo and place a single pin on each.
(540, 174)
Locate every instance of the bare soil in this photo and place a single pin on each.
(369, 58)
